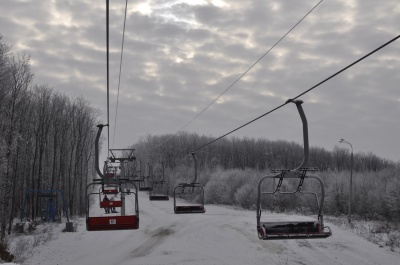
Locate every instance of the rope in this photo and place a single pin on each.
(240, 77)
(251, 67)
(120, 70)
(108, 75)
(308, 90)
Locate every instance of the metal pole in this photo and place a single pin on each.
(351, 176)
(351, 183)
(108, 74)
(123, 190)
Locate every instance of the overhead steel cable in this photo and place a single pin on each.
(108, 75)
(120, 70)
(251, 67)
(308, 90)
(241, 76)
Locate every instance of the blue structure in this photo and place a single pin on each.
(48, 204)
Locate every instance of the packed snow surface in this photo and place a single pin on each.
(220, 236)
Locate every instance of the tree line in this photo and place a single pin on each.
(229, 170)
(241, 153)
(46, 141)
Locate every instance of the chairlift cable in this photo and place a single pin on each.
(108, 75)
(308, 90)
(251, 67)
(241, 76)
(120, 70)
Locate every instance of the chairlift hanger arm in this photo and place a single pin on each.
(96, 150)
(305, 130)
(195, 167)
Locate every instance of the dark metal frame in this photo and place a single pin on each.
(129, 157)
(145, 181)
(296, 229)
(120, 222)
(189, 188)
(160, 188)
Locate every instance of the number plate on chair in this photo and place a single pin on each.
(113, 221)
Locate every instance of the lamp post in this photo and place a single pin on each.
(351, 175)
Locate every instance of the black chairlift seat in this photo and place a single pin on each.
(293, 229)
(188, 188)
(160, 188)
(145, 184)
(159, 191)
(298, 229)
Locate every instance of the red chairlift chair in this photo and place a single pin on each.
(123, 220)
(125, 187)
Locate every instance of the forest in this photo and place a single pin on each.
(47, 143)
(46, 140)
(230, 169)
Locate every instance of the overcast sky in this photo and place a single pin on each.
(180, 55)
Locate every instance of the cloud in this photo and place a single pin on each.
(180, 55)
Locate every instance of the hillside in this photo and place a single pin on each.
(220, 236)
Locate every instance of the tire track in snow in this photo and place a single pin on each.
(156, 238)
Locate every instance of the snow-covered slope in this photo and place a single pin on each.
(220, 236)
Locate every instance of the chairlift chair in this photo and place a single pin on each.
(134, 173)
(145, 183)
(109, 172)
(160, 188)
(188, 189)
(124, 220)
(293, 229)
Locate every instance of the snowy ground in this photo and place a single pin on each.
(220, 236)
